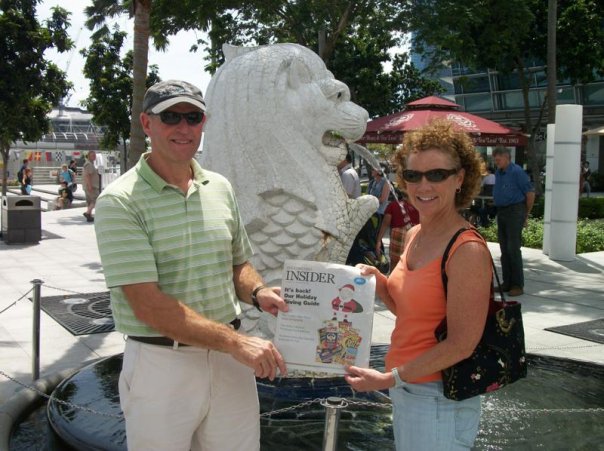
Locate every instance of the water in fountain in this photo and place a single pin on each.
(560, 405)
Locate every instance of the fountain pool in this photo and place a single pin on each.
(560, 405)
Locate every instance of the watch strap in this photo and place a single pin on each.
(255, 296)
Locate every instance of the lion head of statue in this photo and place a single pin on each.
(273, 113)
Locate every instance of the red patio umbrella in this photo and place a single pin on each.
(484, 132)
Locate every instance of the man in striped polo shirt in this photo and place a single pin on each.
(176, 258)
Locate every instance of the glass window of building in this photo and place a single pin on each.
(477, 102)
(566, 95)
(468, 85)
(593, 94)
(508, 81)
(540, 78)
(513, 100)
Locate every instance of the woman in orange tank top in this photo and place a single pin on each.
(440, 170)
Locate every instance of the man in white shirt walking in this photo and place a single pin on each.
(350, 178)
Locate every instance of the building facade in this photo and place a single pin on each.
(72, 134)
(498, 97)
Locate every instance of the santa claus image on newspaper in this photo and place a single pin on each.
(345, 302)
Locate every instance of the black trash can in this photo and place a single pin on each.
(21, 219)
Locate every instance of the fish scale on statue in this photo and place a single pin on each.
(273, 114)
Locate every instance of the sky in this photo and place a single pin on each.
(176, 62)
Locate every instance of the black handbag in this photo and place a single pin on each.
(499, 358)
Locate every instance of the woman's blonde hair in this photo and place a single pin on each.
(445, 136)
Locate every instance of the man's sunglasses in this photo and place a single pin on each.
(173, 118)
(433, 175)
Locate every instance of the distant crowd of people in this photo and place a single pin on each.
(68, 183)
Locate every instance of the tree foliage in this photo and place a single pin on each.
(140, 10)
(354, 38)
(110, 78)
(270, 21)
(580, 30)
(110, 85)
(409, 84)
(30, 85)
(465, 31)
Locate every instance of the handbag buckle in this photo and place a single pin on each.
(503, 323)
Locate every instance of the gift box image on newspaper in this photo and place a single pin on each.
(330, 318)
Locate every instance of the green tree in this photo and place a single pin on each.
(320, 24)
(110, 78)
(359, 60)
(152, 18)
(354, 38)
(408, 83)
(157, 19)
(141, 11)
(269, 21)
(30, 85)
(580, 33)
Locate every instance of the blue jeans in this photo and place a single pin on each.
(425, 420)
(510, 221)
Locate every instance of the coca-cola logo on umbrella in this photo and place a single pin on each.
(465, 122)
(399, 120)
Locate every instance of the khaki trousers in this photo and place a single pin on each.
(187, 399)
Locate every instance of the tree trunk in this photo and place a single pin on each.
(551, 61)
(142, 12)
(531, 151)
(5, 170)
(330, 43)
(124, 155)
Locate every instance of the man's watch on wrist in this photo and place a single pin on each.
(255, 296)
(397, 377)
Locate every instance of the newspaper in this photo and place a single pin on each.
(330, 318)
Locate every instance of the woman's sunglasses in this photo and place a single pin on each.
(173, 118)
(433, 175)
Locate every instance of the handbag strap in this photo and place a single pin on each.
(443, 272)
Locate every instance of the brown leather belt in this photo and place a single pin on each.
(165, 341)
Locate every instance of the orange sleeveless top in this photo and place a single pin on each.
(420, 302)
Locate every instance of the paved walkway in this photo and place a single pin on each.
(67, 260)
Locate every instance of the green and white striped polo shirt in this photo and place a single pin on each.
(150, 231)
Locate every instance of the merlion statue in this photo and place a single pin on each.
(277, 122)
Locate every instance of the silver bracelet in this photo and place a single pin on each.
(398, 382)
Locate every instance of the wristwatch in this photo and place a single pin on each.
(255, 296)
(397, 377)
